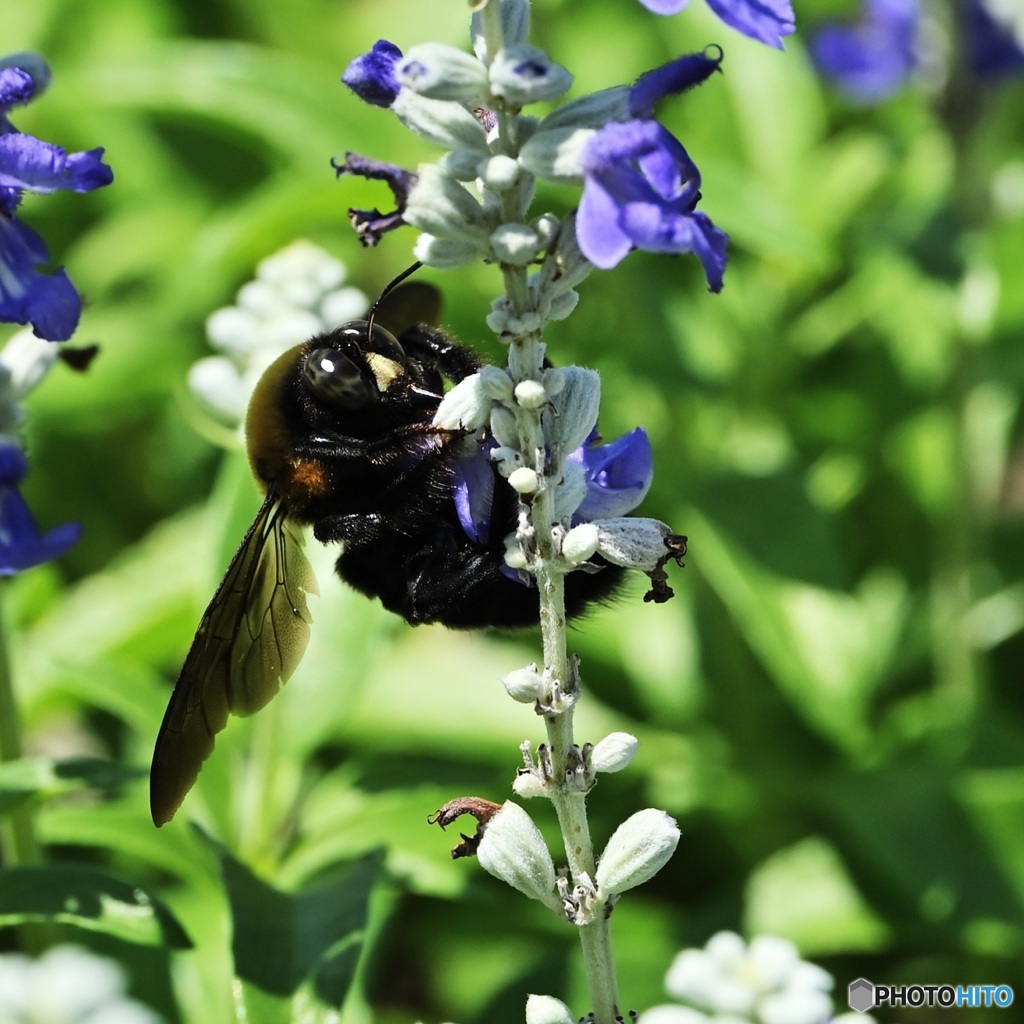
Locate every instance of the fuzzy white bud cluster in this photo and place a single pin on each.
(297, 292)
(763, 982)
(513, 849)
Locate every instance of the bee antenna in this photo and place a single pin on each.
(388, 289)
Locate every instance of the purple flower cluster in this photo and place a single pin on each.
(640, 187)
(876, 56)
(765, 20)
(48, 302)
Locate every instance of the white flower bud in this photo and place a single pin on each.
(569, 424)
(217, 386)
(503, 427)
(528, 786)
(442, 122)
(513, 850)
(515, 244)
(522, 74)
(515, 557)
(499, 172)
(444, 207)
(515, 26)
(530, 394)
(524, 684)
(547, 1010)
(556, 154)
(467, 406)
(632, 542)
(496, 382)
(524, 480)
(442, 73)
(614, 752)
(546, 226)
(233, 330)
(580, 543)
(638, 849)
(342, 305)
(446, 253)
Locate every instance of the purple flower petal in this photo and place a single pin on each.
(28, 163)
(474, 493)
(665, 6)
(21, 545)
(874, 58)
(640, 189)
(619, 475)
(48, 302)
(674, 77)
(16, 88)
(371, 76)
(765, 20)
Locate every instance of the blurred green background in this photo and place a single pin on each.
(832, 706)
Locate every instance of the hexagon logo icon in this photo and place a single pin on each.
(861, 995)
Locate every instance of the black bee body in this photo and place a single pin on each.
(340, 435)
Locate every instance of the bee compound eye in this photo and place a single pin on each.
(333, 378)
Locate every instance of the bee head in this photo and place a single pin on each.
(351, 367)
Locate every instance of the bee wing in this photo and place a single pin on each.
(250, 640)
(414, 302)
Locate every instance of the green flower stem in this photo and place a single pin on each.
(526, 362)
(571, 808)
(20, 846)
(570, 804)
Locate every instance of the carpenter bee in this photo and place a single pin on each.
(340, 437)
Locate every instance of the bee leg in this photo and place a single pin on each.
(433, 347)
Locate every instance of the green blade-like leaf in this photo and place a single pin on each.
(282, 939)
(41, 776)
(79, 895)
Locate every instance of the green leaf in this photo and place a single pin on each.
(42, 776)
(80, 895)
(282, 939)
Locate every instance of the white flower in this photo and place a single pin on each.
(24, 362)
(764, 982)
(297, 292)
(66, 985)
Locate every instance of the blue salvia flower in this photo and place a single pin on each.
(22, 546)
(48, 302)
(640, 186)
(765, 20)
(876, 56)
(640, 191)
(617, 475)
(371, 76)
(24, 362)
